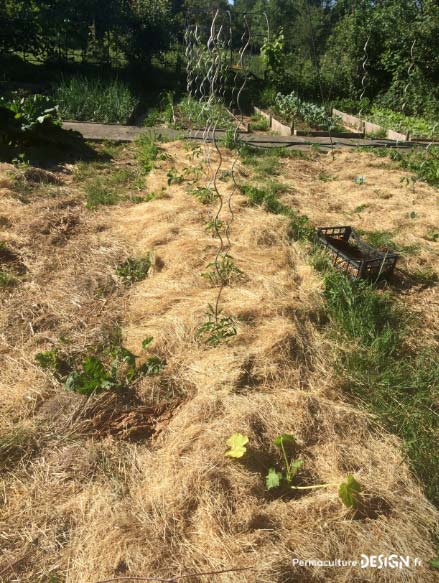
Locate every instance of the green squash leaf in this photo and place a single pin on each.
(273, 479)
(349, 492)
(295, 466)
(434, 563)
(236, 443)
(284, 438)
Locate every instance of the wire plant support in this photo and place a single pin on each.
(217, 50)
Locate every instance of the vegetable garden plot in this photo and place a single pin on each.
(290, 115)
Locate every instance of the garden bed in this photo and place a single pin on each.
(300, 128)
(192, 114)
(373, 129)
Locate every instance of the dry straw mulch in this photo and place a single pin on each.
(139, 485)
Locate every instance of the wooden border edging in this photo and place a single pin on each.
(369, 127)
(263, 113)
(285, 130)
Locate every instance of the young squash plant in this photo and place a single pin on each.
(349, 490)
(115, 371)
(274, 478)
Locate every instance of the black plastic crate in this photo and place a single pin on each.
(353, 256)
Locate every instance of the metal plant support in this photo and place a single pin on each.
(217, 61)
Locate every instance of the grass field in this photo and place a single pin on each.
(115, 411)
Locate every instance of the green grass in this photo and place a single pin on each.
(199, 114)
(99, 193)
(325, 177)
(259, 123)
(383, 240)
(391, 381)
(6, 280)
(147, 151)
(422, 162)
(374, 361)
(268, 198)
(265, 162)
(99, 100)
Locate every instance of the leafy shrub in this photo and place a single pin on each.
(27, 118)
(204, 195)
(84, 99)
(223, 272)
(217, 328)
(95, 377)
(134, 269)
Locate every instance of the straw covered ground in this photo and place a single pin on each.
(134, 482)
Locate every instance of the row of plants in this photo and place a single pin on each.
(304, 114)
(418, 126)
(95, 99)
(115, 368)
(188, 113)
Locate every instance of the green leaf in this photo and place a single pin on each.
(349, 492)
(295, 466)
(236, 443)
(434, 563)
(283, 439)
(273, 479)
(147, 341)
(152, 366)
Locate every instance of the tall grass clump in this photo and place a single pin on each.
(147, 151)
(94, 99)
(392, 381)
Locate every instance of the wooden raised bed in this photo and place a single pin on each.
(369, 127)
(289, 130)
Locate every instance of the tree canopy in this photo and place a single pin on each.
(321, 52)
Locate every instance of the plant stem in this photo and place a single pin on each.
(313, 487)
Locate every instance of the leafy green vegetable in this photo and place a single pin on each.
(237, 443)
(291, 107)
(349, 492)
(147, 341)
(284, 438)
(273, 479)
(93, 378)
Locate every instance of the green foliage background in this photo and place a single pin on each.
(316, 46)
